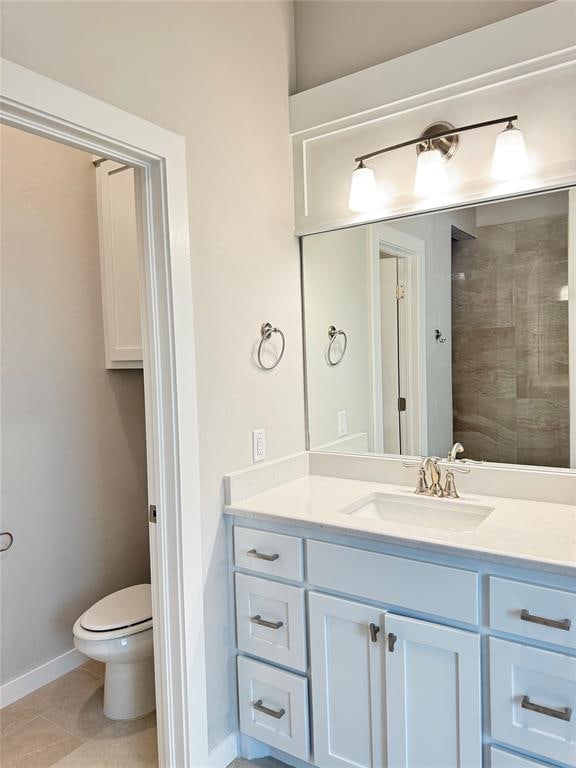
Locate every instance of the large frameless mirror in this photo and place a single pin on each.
(440, 328)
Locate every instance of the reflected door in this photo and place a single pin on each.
(392, 292)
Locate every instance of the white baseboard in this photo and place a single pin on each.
(42, 675)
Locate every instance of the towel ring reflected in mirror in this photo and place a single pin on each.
(267, 330)
(333, 335)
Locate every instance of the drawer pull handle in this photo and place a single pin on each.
(560, 714)
(260, 556)
(555, 623)
(276, 713)
(263, 623)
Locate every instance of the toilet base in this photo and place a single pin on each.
(129, 690)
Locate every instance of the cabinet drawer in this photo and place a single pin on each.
(273, 707)
(270, 621)
(533, 700)
(436, 589)
(270, 553)
(501, 759)
(541, 613)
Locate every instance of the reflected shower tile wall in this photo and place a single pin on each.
(510, 342)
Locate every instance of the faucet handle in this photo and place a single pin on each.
(462, 470)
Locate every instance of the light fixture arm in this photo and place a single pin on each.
(434, 136)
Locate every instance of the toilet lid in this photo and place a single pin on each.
(124, 608)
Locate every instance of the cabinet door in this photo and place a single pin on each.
(346, 661)
(119, 265)
(432, 695)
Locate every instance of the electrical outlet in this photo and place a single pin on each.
(342, 426)
(258, 445)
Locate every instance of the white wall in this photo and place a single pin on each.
(217, 73)
(334, 39)
(337, 292)
(73, 433)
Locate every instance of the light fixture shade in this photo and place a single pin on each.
(431, 176)
(364, 194)
(509, 160)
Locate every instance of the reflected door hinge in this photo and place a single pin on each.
(400, 291)
(152, 513)
(401, 404)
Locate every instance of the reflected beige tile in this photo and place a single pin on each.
(125, 744)
(80, 711)
(544, 232)
(483, 363)
(486, 427)
(38, 744)
(544, 432)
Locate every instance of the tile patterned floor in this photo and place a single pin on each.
(62, 725)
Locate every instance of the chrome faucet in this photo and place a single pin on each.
(429, 482)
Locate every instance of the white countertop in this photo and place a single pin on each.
(527, 533)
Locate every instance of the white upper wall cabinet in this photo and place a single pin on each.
(118, 237)
(524, 66)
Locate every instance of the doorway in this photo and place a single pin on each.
(37, 104)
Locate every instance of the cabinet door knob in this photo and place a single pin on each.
(564, 713)
(261, 556)
(391, 641)
(565, 624)
(275, 713)
(374, 629)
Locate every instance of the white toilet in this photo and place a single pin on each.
(117, 630)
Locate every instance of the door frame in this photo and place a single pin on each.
(572, 321)
(395, 243)
(39, 105)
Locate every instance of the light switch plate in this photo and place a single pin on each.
(258, 445)
(342, 425)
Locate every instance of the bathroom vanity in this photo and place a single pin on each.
(378, 628)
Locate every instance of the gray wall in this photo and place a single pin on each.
(73, 435)
(217, 73)
(334, 39)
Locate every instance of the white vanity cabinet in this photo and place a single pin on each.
(347, 673)
(433, 695)
(373, 659)
(365, 663)
(119, 265)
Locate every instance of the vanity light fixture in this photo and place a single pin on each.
(509, 159)
(363, 190)
(434, 147)
(431, 176)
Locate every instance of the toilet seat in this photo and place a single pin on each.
(120, 614)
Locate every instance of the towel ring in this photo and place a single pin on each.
(266, 332)
(333, 335)
(6, 546)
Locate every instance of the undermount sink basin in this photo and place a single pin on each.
(426, 511)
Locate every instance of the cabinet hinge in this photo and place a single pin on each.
(400, 291)
(401, 404)
(391, 641)
(152, 513)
